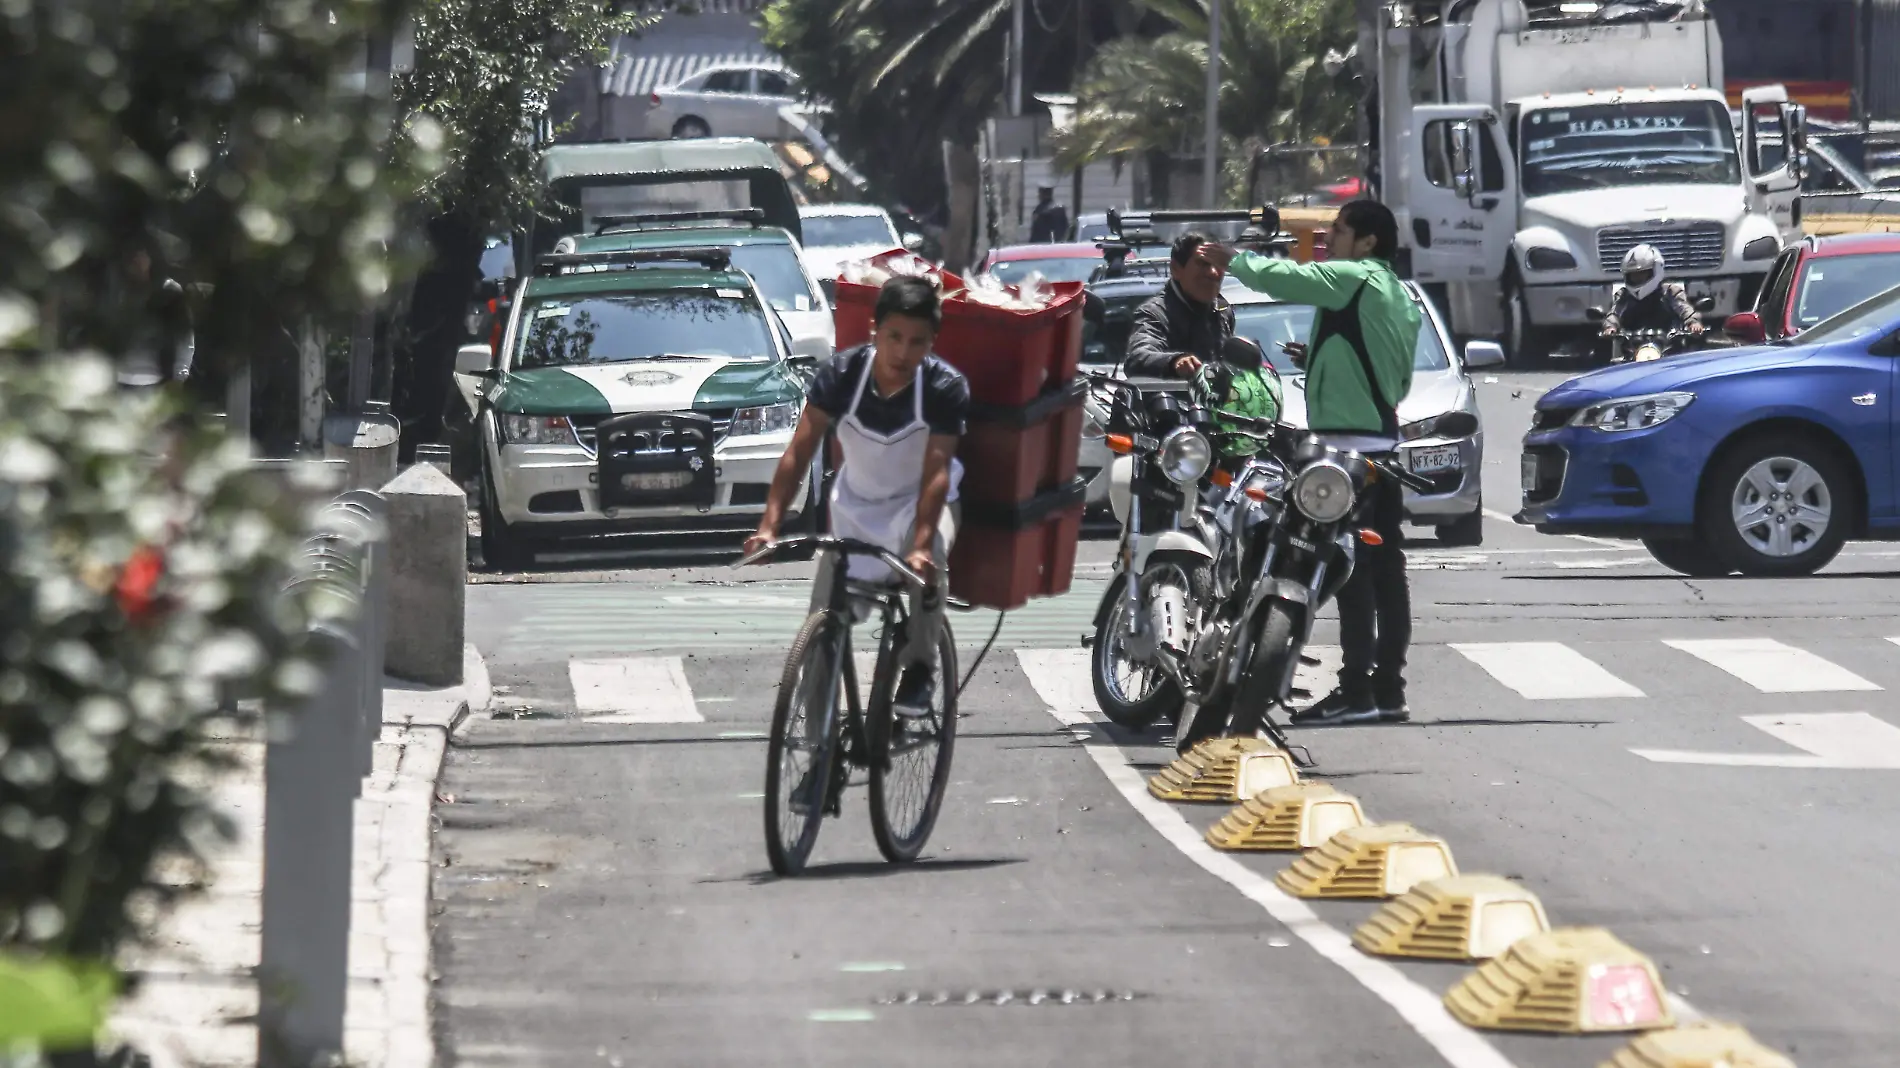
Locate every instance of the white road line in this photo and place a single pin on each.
(1849, 740)
(1545, 671)
(1418, 1007)
(1771, 667)
(1061, 676)
(634, 689)
(1502, 518)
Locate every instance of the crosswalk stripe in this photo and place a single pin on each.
(1771, 667)
(1545, 671)
(635, 689)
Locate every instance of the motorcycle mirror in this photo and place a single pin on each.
(1595, 315)
(1094, 310)
(1456, 425)
(1705, 304)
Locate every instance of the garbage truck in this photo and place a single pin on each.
(1526, 145)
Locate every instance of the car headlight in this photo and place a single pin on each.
(1550, 259)
(537, 430)
(1184, 455)
(770, 419)
(1762, 248)
(1323, 492)
(1424, 428)
(1633, 413)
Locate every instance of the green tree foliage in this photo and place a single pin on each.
(220, 138)
(1141, 96)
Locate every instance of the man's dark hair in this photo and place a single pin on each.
(1186, 245)
(1369, 218)
(911, 297)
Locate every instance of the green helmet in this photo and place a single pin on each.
(1252, 392)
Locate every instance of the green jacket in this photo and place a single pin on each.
(1337, 397)
(1255, 394)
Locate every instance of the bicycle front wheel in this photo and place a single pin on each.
(805, 728)
(910, 763)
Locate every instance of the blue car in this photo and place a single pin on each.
(1762, 460)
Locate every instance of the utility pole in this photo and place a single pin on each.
(1863, 84)
(1210, 167)
(1016, 60)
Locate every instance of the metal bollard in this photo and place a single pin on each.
(314, 764)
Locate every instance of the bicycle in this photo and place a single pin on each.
(892, 749)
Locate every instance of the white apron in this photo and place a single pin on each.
(874, 498)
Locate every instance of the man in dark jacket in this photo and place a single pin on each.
(1050, 221)
(1186, 326)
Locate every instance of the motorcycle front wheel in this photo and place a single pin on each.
(1276, 655)
(1130, 694)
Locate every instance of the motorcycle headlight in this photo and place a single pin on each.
(1184, 455)
(770, 419)
(1633, 413)
(537, 430)
(1323, 492)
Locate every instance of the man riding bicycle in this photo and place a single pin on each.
(899, 411)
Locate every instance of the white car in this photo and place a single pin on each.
(739, 101)
(836, 234)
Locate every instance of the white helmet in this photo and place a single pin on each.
(1643, 270)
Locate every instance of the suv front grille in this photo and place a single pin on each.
(1544, 468)
(1552, 418)
(584, 426)
(1693, 248)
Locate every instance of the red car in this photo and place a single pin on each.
(1814, 279)
(1072, 262)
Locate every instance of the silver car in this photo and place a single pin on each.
(741, 101)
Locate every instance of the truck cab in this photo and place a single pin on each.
(1526, 147)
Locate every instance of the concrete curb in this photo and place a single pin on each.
(420, 722)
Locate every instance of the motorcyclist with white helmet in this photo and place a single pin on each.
(1645, 302)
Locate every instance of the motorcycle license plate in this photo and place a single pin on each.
(1436, 459)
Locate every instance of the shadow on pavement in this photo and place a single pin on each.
(868, 869)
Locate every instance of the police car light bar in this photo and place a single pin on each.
(714, 259)
(604, 223)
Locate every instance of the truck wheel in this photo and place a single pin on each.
(1525, 344)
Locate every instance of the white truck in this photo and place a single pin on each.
(1526, 146)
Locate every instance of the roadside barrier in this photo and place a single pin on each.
(316, 758)
(1573, 980)
(1698, 1045)
(1287, 819)
(1381, 860)
(1464, 917)
(1211, 771)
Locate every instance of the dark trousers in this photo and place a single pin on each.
(1375, 606)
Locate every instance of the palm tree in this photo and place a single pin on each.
(1146, 97)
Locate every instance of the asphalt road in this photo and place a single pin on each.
(604, 894)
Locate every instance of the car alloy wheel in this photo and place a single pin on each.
(1782, 504)
(1781, 507)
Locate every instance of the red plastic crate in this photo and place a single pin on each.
(1008, 356)
(1006, 556)
(1010, 454)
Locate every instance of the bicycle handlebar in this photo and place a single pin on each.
(848, 546)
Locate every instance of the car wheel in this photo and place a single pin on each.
(1525, 345)
(1465, 531)
(1688, 556)
(502, 548)
(1777, 505)
(692, 126)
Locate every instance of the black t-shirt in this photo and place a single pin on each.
(946, 394)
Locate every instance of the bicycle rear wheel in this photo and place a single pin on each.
(910, 763)
(805, 727)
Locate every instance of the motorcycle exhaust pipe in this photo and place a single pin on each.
(1168, 610)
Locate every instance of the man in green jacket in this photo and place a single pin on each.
(1358, 364)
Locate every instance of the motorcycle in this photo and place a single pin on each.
(1187, 523)
(1306, 547)
(1646, 344)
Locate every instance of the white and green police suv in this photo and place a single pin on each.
(633, 391)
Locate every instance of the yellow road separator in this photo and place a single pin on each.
(1464, 917)
(1218, 769)
(1573, 980)
(1381, 860)
(1287, 819)
(1698, 1045)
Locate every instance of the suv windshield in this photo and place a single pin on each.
(1832, 283)
(837, 231)
(1878, 315)
(1599, 146)
(1270, 324)
(623, 327)
(780, 279)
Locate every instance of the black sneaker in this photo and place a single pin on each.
(1336, 708)
(1393, 711)
(914, 693)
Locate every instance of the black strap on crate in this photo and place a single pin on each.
(1057, 398)
(1026, 513)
